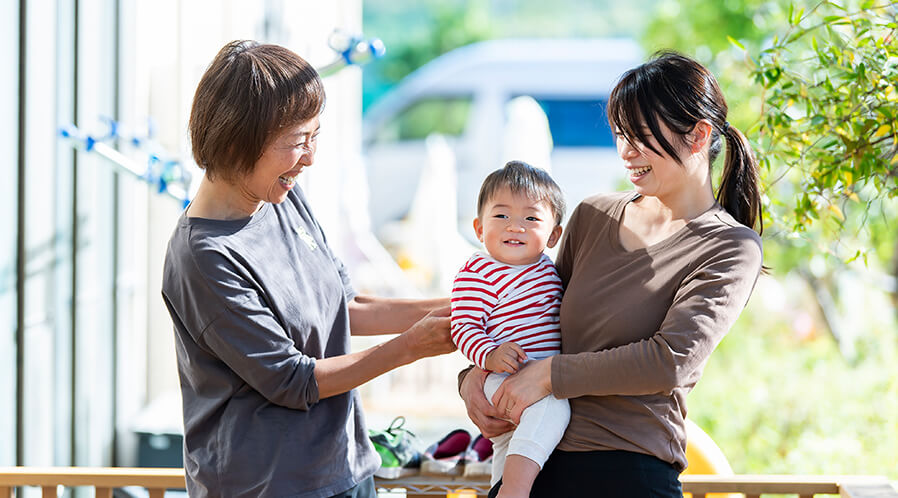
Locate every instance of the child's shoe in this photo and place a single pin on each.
(398, 450)
(479, 458)
(446, 456)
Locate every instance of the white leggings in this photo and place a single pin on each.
(542, 425)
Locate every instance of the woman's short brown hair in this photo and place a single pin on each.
(247, 96)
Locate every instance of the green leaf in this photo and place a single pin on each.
(736, 42)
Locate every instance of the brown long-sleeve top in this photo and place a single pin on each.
(637, 327)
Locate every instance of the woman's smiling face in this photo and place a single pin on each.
(651, 173)
(282, 160)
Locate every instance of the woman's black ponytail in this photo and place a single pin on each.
(740, 191)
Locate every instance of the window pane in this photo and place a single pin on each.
(93, 341)
(447, 116)
(9, 73)
(45, 378)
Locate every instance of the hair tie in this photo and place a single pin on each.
(726, 126)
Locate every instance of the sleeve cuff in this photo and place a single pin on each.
(486, 352)
(313, 396)
(461, 376)
(560, 379)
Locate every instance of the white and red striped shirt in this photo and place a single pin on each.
(493, 303)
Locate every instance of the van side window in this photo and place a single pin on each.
(444, 115)
(577, 122)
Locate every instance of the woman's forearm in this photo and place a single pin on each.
(706, 304)
(426, 337)
(339, 374)
(372, 315)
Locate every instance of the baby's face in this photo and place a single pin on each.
(516, 229)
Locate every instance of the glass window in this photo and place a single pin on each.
(9, 133)
(95, 274)
(577, 122)
(46, 206)
(444, 115)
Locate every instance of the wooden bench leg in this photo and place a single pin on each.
(157, 493)
(103, 492)
(48, 492)
(6, 491)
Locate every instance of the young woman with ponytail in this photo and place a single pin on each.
(654, 278)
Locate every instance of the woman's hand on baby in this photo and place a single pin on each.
(430, 335)
(484, 415)
(507, 358)
(531, 384)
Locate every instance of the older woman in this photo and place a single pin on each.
(653, 280)
(262, 309)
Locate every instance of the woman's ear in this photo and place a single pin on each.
(700, 135)
(554, 237)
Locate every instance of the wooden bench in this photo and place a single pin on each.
(156, 481)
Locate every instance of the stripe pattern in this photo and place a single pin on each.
(493, 303)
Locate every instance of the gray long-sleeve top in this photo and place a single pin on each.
(254, 302)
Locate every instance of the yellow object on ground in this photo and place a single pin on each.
(705, 457)
(462, 493)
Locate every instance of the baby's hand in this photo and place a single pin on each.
(507, 358)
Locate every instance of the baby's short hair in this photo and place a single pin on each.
(521, 178)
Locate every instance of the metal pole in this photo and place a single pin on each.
(73, 315)
(20, 248)
(116, 64)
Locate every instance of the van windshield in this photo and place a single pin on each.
(577, 122)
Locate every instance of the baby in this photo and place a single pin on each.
(505, 307)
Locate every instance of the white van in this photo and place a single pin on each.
(463, 94)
